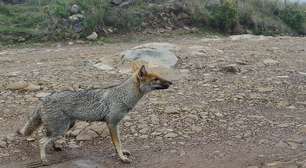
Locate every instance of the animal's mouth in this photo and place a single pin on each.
(164, 85)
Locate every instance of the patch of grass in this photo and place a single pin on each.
(20, 22)
(41, 20)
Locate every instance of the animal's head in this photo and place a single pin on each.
(149, 81)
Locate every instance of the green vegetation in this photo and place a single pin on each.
(224, 17)
(42, 20)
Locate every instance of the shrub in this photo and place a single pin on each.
(225, 16)
(294, 17)
(94, 11)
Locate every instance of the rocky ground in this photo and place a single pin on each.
(239, 103)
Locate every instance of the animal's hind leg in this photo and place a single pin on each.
(43, 143)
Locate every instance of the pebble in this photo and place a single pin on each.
(42, 94)
(232, 68)
(100, 128)
(270, 62)
(170, 135)
(86, 135)
(32, 87)
(196, 129)
(3, 144)
(31, 139)
(171, 110)
(17, 85)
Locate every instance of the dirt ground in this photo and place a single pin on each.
(240, 104)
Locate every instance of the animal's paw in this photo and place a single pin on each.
(45, 162)
(126, 152)
(125, 159)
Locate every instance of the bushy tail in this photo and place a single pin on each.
(32, 124)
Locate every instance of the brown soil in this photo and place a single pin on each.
(220, 119)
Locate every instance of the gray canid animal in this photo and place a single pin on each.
(58, 111)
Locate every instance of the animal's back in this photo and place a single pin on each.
(88, 105)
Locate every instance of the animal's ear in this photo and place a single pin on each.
(142, 72)
(135, 67)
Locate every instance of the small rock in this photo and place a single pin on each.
(270, 62)
(32, 87)
(252, 167)
(232, 68)
(80, 42)
(282, 144)
(293, 145)
(182, 153)
(17, 85)
(302, 73)
(86, 135)
(297, 139)
(291, 107)
(12, 74)
(144, 130)
(218, 114)
(192, 116)
(203, 115)
(3, 144)
(30, 139)
(263, 141)
(301, 103)
(171, 135)
(248, 37)
(284, 125)
(75, 9)
(60, 141)
(154, 119)
(283, 77)
(73, 145)
(196, 128)
(218, 154)
(93, 36)
(274, 164)
(265, 89)
(173, 151)
(76, 17)
(42, 94)
(303, 129)
(11, 138)
(78, 127)
(143, 136)
(116, 2)
(100, 128)
(128, 124)
(103, 66)
(171, 110)
(282, 103)
(4, 155)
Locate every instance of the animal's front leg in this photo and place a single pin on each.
(114, 131)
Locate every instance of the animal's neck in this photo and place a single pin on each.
(131, 90)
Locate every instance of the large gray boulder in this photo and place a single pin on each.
(159, 54)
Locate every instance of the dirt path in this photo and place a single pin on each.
(210, 118)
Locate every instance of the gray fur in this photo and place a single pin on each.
(58, 111)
